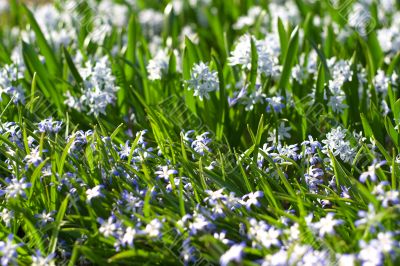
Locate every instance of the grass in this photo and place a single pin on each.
(93, 191)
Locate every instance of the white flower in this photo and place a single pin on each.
(381, 82)
(8, 251)
(3, 5)
(200, 144)
(358, 18)
(222, 237)
(276, 103)
(9, 76)
(199, 223)
(371, 172)
(391, 197)
(326, 225)
(389, 38)
(346, 259)
(99, 89)
(293, 232)
(235, 254)
(158, 65)
(45, 218)
(129, 236)
(263, 234)
(336, 143)
(315, 257)
(385, 242)
(281, 133)
(7, 216)
(367, 217)
(34, 157)
(244, 21)
(94, 192)
(110, 227)
(48, 125)
(252, 199)
(214, 196)
(370, 254)
(164, 172)
(39, 260)
(268, 62)
(153, 229)
(337, 98)
(270, 237)
(277, 259)
(151, 21)
(203, 81)
(15, 188)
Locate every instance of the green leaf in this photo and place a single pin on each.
(394, 135)
(48, 53)
(57, 224)
(289, 60)
(131, 48)
(45, 84)
(283, 38)
(71, 65)
(367, 128)
(254, 64)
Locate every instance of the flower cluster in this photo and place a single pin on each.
(98, 91)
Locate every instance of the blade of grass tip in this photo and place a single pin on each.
(123, 255)
(396, 110)
(201, 175)
(57, 222)
(67, 126)
(383, 150)
(32, 231)
(281, 176)
(340, 174)
(367, 128)
(253, 138)
(72, 67)
(181, 199)
(64, 156)
(146, 204)
(33, 90)
(393, 64)
(183, 149)
(48, 53)
(391, 131)
(269, 193)
(135, 142)
(260, 131)
(395, 171)
(319, 92)
(25, 139)
(289, 61)
(245, 177)
(283, 39)
(34, 177)
(74, 254)
(116, 131)
(93, 256)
